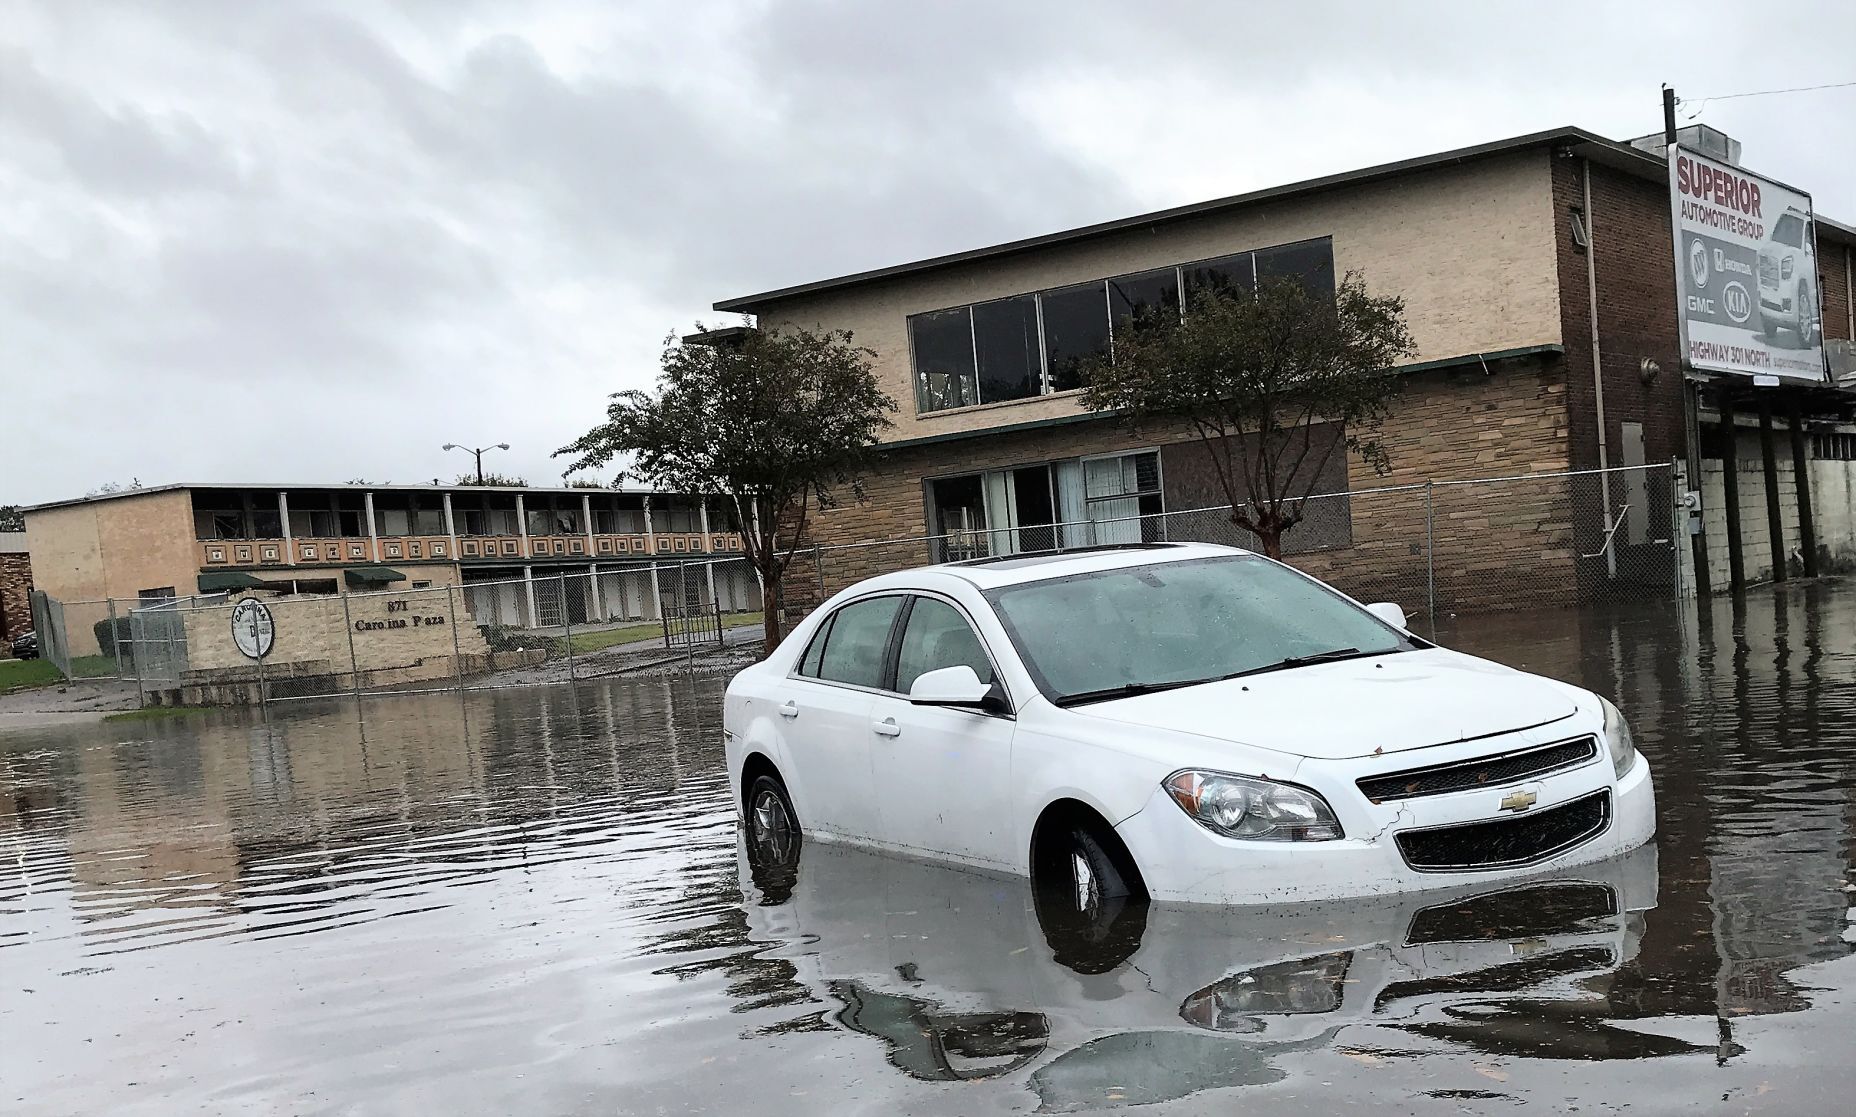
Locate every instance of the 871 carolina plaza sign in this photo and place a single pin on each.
(1746, 271)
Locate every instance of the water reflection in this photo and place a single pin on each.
(534, 900)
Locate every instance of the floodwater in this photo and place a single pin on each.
(532, 901)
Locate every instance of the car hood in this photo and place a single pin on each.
(1356, 707)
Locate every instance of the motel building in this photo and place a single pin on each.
(523, 558)
(1538, 274)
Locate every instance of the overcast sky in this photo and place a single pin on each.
(310, 242)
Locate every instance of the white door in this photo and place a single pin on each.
(824, 714)
(941, 774)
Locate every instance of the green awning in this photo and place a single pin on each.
(223, 581)
(372, 575)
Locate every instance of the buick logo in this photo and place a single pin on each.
(1518, 801)
(1738, 303)
(1698, 262)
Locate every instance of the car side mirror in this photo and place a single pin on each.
(1389, 613)
(959, 687)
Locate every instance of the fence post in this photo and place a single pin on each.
(818, 567)
(457, 647)
(567, 624)
(354, 661)
(1430, 553)
(135, 640)
(115, 635)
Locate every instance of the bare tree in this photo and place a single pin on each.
(1252, 374)
(773, 421)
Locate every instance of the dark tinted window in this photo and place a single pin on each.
(936, 636)
(1144, 298)
(1231, 273)
(1005, 335)
(808, 663)
(1789, 230)
(943, 344)
(854, 647)
(1075, 329)
(1311, 262)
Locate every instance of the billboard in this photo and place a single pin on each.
(1746, 271)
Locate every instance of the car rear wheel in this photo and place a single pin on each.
(772, 824)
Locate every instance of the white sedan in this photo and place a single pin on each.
(1186, 722)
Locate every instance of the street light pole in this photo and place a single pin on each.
(476, 452)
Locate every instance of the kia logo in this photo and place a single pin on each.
(1738, 303)
(1698, 262)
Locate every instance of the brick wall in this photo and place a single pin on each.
(1835, 262)
(15, 603)
(1509, 545)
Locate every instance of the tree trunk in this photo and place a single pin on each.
(1270, 536)
(772, 601)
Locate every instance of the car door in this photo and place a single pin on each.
(941, 774)
(824, 710)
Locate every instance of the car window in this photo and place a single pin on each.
(858, 638)
(808, 663)
(938, 636)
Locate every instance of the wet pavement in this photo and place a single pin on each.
(532, 901)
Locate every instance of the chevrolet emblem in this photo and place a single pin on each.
(1519, 800)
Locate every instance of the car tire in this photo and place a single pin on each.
(1810, 325)
(1089, 901)
(771, 828)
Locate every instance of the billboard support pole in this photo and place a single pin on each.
(1775, 525)
(1730, 496)
(1691, 403)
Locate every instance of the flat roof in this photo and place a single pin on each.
(1587, 144)
(343, 487)
(12, 542)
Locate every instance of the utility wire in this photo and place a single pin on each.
(1703, 102)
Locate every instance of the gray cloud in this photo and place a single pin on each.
(300, 240)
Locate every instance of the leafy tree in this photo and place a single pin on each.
(11, 518)
(504, 480)
(1250, 373)
(771, 421)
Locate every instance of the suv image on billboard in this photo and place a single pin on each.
(1788, 282)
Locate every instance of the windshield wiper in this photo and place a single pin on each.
(1125, 690)
(1333, 655)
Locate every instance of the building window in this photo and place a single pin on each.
(163, 593)
(1834, 447)
(943, 345)
(1075, 503)
(426, 585)
(1033, 344)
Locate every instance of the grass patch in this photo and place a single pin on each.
(157, 713)
(583, 642)
(18, 674)
(22, 674)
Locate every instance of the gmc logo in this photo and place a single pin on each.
(1737, 303)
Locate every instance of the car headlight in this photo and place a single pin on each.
(1785, 268)
(1253, 809)
(1618, 740)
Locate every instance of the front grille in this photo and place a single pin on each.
(1486, 771)
(1505, 843)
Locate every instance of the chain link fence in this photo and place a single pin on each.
(1436, 549)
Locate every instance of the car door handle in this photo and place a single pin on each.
(790, 709)
(888, 728)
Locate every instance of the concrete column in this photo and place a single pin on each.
(1775, 525)
(586, 522)
(650, 538)
(283, 516)
(599, 594)
(528, 587)
(451, 529)
(522, 527)
(657, 598)
(1801, 480)
(373, 532)
(1730, 497)
(708, 566)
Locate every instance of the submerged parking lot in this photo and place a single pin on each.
(531, 901)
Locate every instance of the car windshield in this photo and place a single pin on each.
(1114, 633)
(1789, 231)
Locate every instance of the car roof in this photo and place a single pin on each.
(1037, 566)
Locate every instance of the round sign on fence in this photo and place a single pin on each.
(252, 629)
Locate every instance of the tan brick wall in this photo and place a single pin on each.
(114, 548)
(1493, 542)
(15, 598)
(389, 630)
(1471, 249)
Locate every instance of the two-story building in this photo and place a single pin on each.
(1537, 275)
(506, 548)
